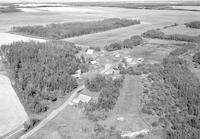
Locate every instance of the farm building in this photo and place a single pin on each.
(81, 98)
(89, 51)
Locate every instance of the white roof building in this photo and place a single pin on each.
(89, 51)
(93, 62)
(81, 98)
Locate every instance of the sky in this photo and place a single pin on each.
(46, 1)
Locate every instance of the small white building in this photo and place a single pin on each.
(116, 54)
(77, 74)
(93, 62)
(129, 60)
(140, 60)
(89, 51)
(81, 98)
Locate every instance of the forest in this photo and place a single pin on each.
(194, 24)
(71, 29)
(174, 96)
(157, 34)
(41, 71)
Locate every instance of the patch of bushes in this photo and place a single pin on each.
(196, 58)
(194, 24)
(133, 41)
(128, 43)
(154, 34)
(104, 132)
(42, 71)
(29, 125)
(95, 48)
(66, 30)
(109, 93)
(114, 46)
(183, 49)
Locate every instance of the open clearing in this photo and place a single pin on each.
(7, 38)
(12, 113)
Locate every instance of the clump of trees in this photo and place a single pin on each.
(183, 49)
(66, 30)
(154, 34)
(157, 34)
(133, 41)
(114, 46)
(105, 132)
(127, 43)
(194, 24)
(109, 92)
(196, 58)
(42, 71)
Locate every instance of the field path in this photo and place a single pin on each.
(129, 101)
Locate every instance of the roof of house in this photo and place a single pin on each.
(82, 98)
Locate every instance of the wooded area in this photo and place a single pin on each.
(127, 43)
(194, 24)
(174, 96)
(71, 29)
(42, 71)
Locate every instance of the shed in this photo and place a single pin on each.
(81, 98)
(89, 51)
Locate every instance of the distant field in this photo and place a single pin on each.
(181, 29)
(7, 38)
(187, 7)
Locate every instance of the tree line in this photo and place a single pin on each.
(66, 30)
(42, 71)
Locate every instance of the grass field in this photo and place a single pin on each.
(181, 29)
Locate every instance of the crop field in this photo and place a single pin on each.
(187, 7)
(12, 113)
(181, 29)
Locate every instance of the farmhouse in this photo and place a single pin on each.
(81, 98)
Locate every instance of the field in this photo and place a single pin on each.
(7, 38)
(181, 29)
(12, 113)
